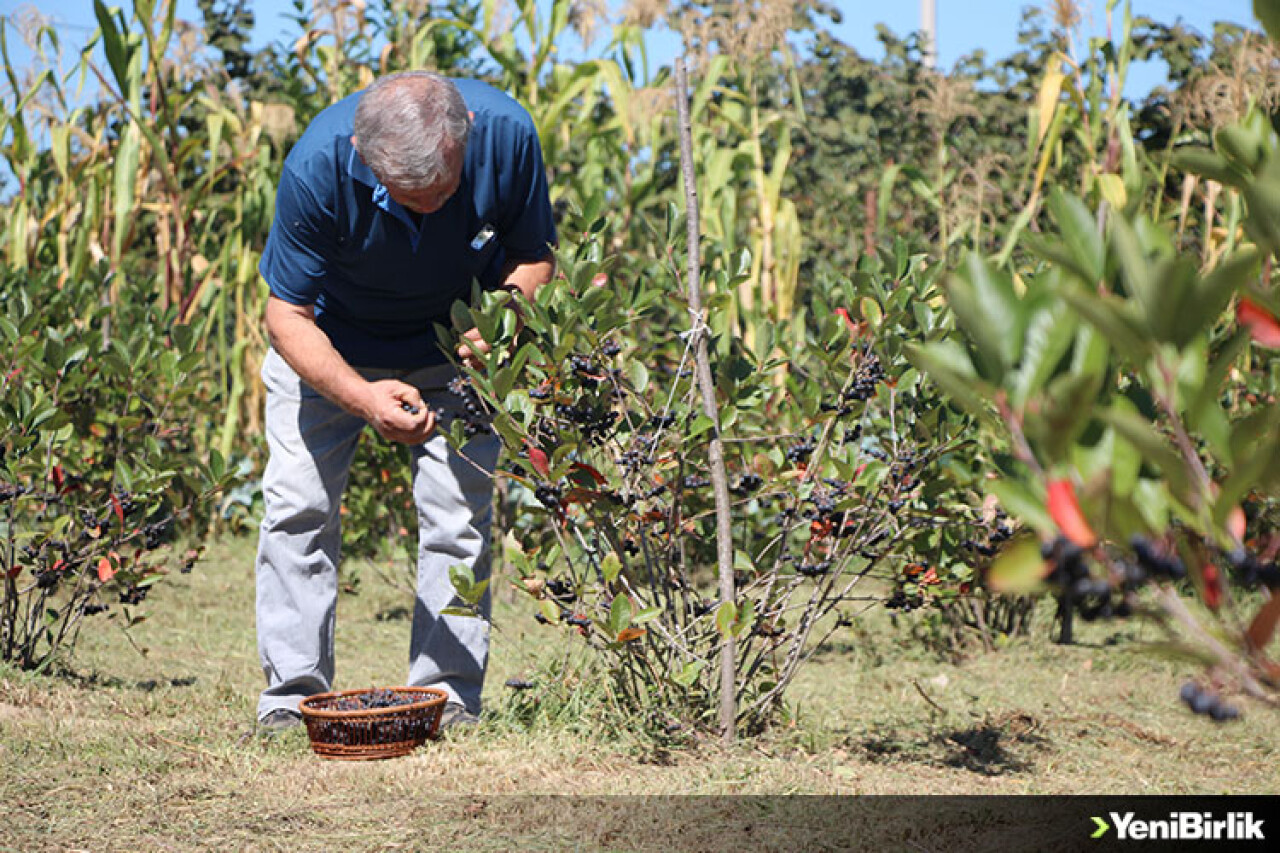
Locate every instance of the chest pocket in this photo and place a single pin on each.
(484, 255)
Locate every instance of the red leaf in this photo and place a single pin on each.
(117, 509)
(1212, 586)
(58, 478)
(1262, 326)
(1065, 511)
(1263, 626)
(106, 570)
(589, 471)
(15, 570)
(538, 458)
(848, 321)
(582, 496)
(626, 635)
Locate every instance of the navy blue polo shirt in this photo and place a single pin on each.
(379, 280)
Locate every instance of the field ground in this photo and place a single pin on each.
(157, 752)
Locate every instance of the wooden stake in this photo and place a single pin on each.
(702, 370)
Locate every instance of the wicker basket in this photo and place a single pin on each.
(376, 732)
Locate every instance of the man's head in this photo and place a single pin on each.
(411, 131)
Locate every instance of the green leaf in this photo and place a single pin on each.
(1115, 319)
(648, 614)
(871, 311)
(1268, 12)
(1135, 266)
(125, 172)
(948, 365)
(1126, 464)
(1210, 295)
(1080, 236)
(1262, 196)
(638, 375)
(1113, 190)
(987, 310)
(113, 45)
(726, 613)
(1018, 569)
(619, 614)
(700, 424)
(550, 611)
(1050, 334)
(1019, 501)
(503, 379)
(1065, 411)
(463, 580)
(689, 674)
(1207, 164)
(745, 619)
(1153, 446)
(1175, 285)
(460, 316)
(1204, 410)
(1253, 447)
(610, 567)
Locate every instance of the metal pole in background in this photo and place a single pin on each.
(929, 26)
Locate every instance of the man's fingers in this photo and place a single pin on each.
(474, 343)
(416, 434)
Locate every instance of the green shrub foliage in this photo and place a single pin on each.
(1141, 414)
(98, 473)
(833, 450)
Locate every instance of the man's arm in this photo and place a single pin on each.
(523, 277)
(294, 334)
(528, 276)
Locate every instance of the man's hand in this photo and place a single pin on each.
(385, 404)
(396, 410)
(473, 343)
(522, 278)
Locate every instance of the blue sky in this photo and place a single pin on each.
(963, 25)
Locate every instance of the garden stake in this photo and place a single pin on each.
(715, 453)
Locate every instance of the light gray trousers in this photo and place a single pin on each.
(312, 442)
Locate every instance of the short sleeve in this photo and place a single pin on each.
(529, 226)
(300, 247)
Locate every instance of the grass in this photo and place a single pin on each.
(157, 751)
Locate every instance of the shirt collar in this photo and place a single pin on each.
(362, 173)
(359, 171)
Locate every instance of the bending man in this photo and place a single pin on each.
(393, 201)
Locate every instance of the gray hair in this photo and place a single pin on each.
(407, 125)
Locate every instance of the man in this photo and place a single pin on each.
(389, 206)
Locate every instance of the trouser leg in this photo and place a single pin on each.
(311, 442)
(454, 495)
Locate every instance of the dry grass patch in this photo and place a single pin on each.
(157, 752)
